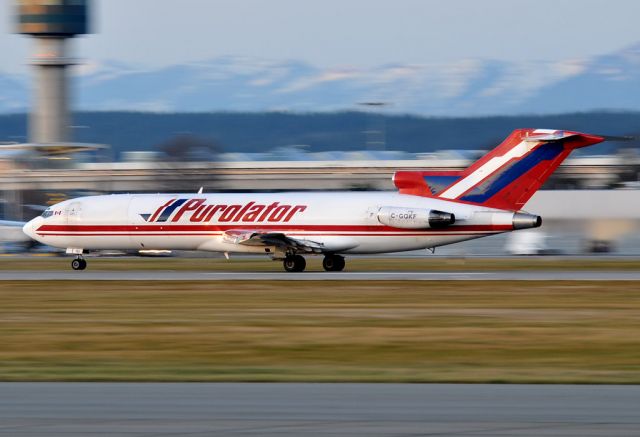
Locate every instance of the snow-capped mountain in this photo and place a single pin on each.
(464, 88)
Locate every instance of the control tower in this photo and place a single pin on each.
(51, 23)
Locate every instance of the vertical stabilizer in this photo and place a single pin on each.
(509, 175)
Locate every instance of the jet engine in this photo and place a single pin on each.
(414, 218)
(523, 220)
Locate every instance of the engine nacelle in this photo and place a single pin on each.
(523, 220)
(414, 218)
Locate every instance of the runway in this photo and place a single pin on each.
(177, 275)
(160, 409)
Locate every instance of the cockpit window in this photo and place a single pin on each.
(47, 213)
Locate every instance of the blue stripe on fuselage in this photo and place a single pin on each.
(169, 210)
(546, 152)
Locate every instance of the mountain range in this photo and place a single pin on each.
(472, 87)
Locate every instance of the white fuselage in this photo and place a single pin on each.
(342, 222)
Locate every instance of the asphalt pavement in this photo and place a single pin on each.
(184, 275)
(236, 409)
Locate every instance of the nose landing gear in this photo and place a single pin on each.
(79, 264)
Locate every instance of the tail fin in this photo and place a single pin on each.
(506, 177)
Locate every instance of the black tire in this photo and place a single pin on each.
(295, 263)
(83, 264)
(333, 263)
(76, 264)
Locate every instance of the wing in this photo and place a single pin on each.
(272, 239)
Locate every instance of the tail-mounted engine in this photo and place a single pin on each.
(414, 218)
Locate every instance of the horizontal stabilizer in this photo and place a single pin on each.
(556, 136)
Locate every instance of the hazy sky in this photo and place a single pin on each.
(344, 32)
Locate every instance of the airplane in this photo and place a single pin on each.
(11, 233)
(430, 209)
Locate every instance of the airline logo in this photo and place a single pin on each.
(197, 211)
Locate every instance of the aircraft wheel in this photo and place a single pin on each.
(78, 264)
(333, 263)
(295, 263)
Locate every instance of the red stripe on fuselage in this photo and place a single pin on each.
(209, 234)
(258, 228)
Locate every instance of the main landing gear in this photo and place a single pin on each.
(79, 263)
(294, 263)
(297, 263)
(333, 263)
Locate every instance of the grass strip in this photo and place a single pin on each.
(503, 331)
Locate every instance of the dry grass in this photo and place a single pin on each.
(310, 331)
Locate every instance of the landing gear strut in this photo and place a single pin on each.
(79, 264)
(333, 263)
(294, 263)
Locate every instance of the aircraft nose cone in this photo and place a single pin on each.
(30, 228)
